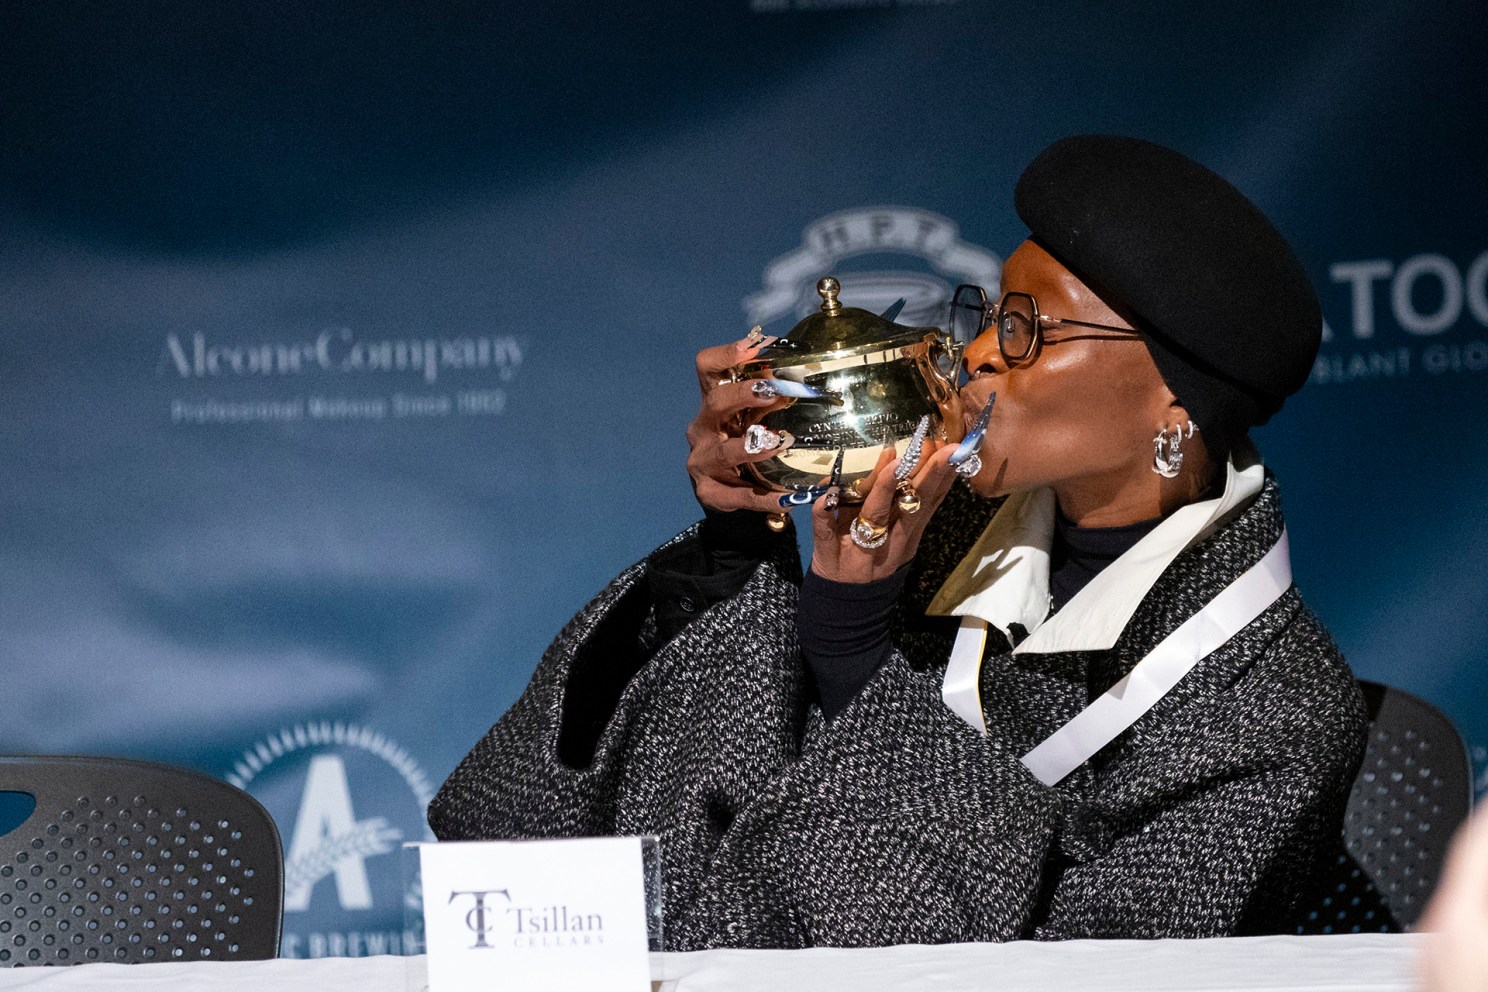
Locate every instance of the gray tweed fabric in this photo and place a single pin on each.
(896, 822)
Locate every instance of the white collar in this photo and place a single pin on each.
(1004, 579)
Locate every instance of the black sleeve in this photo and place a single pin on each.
(690, 576)
(844, 631)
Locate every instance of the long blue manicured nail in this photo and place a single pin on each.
(973, 439)
(796, 390)
(803, 497)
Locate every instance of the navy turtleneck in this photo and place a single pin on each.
(1079, 554)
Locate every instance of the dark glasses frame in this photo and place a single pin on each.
(970, 299)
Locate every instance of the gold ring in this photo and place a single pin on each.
(907, 499)
(867, 536)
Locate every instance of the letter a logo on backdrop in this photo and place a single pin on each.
(345, 799)
(879, 254)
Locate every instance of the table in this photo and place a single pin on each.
(1346, 963)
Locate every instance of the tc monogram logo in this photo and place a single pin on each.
(477, 920)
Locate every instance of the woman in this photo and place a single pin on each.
(844, 761)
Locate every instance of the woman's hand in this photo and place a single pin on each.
(839, 558)
(716, 434)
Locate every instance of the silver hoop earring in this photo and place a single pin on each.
(1167, 449)
(1167, 452)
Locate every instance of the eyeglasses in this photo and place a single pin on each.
(1020, 326)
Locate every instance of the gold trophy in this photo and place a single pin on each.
(878, 379)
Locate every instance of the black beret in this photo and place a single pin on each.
(1227, 311)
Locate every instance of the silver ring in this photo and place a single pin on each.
(970, 467)
(759, 438)
(867, 536)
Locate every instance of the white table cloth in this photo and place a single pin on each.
(1351, 963)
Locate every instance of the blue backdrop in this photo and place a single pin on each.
(346, 349)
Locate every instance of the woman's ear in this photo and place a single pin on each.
(1167, 412)
(1177, 415)
(1199, 465)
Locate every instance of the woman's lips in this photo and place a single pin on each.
(971, 409)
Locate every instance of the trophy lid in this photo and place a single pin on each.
(836, 328)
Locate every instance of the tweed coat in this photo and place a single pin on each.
(898, 823)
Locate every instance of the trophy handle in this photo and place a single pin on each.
(943, 386)
(944, 389)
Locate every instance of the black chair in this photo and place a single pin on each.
(1412, 791)
(128, 861)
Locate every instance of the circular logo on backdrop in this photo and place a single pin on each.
(345, 798)
(925, 250)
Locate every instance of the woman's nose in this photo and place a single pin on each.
(983, 355)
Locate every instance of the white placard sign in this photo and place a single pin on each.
(539, 914)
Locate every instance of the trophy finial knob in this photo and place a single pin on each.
(829, 288)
